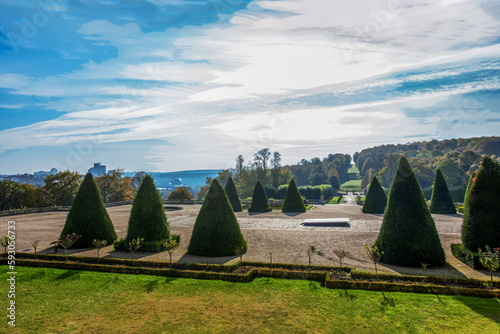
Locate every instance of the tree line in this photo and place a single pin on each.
(266, 167)
(61, 188)
(456, 158)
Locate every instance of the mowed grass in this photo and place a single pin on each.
(351, 185)
(65, 301)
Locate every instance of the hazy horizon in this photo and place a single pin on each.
(168, 85)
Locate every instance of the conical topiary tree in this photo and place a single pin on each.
(481, 225)
(408, 235)
(232, 194)
(441, 201)
(147, 218)
(293, 201)
(88, 217)
(259, 200)
(216, 231)
(376, 200)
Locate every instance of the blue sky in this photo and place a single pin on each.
(165, 85)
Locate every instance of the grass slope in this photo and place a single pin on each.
(65, 301)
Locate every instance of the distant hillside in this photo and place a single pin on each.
(457, 159)
(194, 179)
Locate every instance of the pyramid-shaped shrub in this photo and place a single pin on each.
(481, 225)
(232, 194)
(376, 200)
(88, 217)
(259, 200)
(147, 218)
(408, 235)
(441, 201)
(293, 201)
(216, 231)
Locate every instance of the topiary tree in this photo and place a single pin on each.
(88, 217)
(259, 200)
(147, 218)
(216, 231)
(441, 201)
(232, 194)
(408, 235)
(293, 201)
(376, 200)
(481, 224)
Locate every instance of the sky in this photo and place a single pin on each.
(168, 85)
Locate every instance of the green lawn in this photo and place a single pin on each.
(335, 200)
(351, 185)
(64, 301)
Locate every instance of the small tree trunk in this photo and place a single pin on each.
(376, 273)
(97, 255)
(491, 275)
(170, 254)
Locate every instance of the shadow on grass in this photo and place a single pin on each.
(34, 276)
(347, 295)
(386, 302)
(68, 275)
(487, 307)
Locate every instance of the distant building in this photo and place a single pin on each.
(98, 169)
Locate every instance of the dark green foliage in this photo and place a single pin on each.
(408, 236)
(216, 231)
(88, 217)
(147, 218)
(481, 225)
(231, 193)
(309, 192)
(469, 185)
(259, 200)
(293, 201)
(469, 258)
(441, 201)
(376, 200)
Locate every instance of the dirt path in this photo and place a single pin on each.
(281, 234)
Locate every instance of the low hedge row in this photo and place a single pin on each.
(469, 258)
(430, 279)
(135, 263)
(413, 288)
(293, 266)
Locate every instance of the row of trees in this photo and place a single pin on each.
(89, 220)
(456, 158)
(61, 188)
(266, 168)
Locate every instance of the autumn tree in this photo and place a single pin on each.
(114, 187)
(60, 188)
(180, 193)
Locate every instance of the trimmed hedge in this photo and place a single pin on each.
(88, 217)
(481, 225)
(216, 231)
(408, 235)
(466, 256)
(232, 194)
(309, 192)
(147, 218)
(259, 200)
(293, 201)
(376, 200)
(320, 276)
(441, 201)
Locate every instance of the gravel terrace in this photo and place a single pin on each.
(281, 234)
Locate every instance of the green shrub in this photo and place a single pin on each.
(293, 201)
(232, 194)
(481, 225)
(147, 218)
(376, 200)
(88, 217)
(259, 200)
(441, 201)
(216, 231)
(408, 235)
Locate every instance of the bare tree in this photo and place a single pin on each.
(35, 245)
(67, 241)
(170, 246)
(99, 244)
(262, 157)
